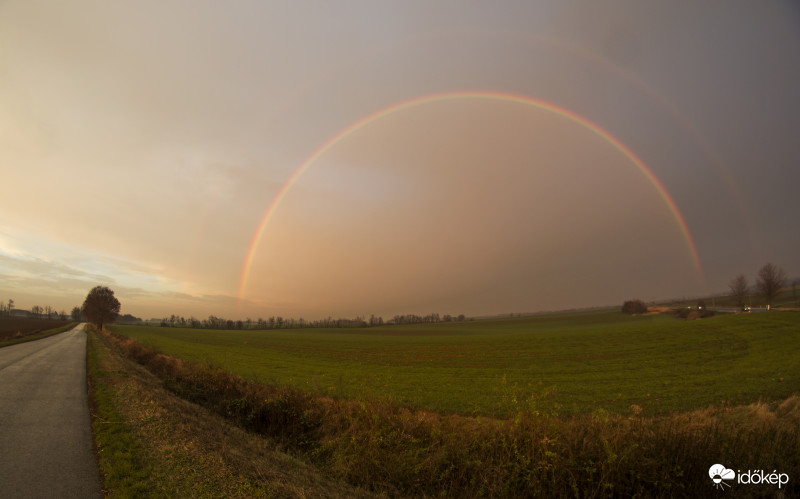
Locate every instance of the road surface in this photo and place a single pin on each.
(46, 445)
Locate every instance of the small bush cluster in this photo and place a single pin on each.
(400, 451)
(634, 307)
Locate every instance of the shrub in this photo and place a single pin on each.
(634, 307)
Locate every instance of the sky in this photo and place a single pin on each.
(314, 159)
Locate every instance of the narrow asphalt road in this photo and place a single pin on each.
(46, 445)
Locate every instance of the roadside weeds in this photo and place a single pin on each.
(155, 444)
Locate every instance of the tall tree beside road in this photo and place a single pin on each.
(771, 279)
(738, 287)
(100, 306)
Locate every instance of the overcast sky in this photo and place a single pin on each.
(143, 143)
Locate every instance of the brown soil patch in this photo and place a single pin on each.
(19, 327)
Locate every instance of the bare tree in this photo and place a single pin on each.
(771, 279)
(100, 306)
(738, 287)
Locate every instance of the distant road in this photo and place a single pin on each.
(46, 445)
(734, 309)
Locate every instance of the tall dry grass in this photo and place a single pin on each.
(378, 444)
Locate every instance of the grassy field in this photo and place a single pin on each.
(572, 363)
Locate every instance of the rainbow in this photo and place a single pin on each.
(497, 96)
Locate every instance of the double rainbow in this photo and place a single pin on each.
(524, 100)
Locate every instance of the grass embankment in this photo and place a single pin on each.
(36, 335)
(152, 443)
(399, 451)
(584, 361)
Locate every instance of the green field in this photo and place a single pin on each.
(575, 362)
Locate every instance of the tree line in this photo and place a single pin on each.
(102, 307)
(278, 322)
(38, 312)
(769, 281)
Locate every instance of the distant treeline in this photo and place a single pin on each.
(214, 322)
(7, 309)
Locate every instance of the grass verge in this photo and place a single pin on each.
(391, 449)
(38, 336)
(122, 459)
(151, 443)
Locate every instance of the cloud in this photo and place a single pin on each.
(31, 270)
(143, 155)
(722, 471)
(140, 289)
(31, 263)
